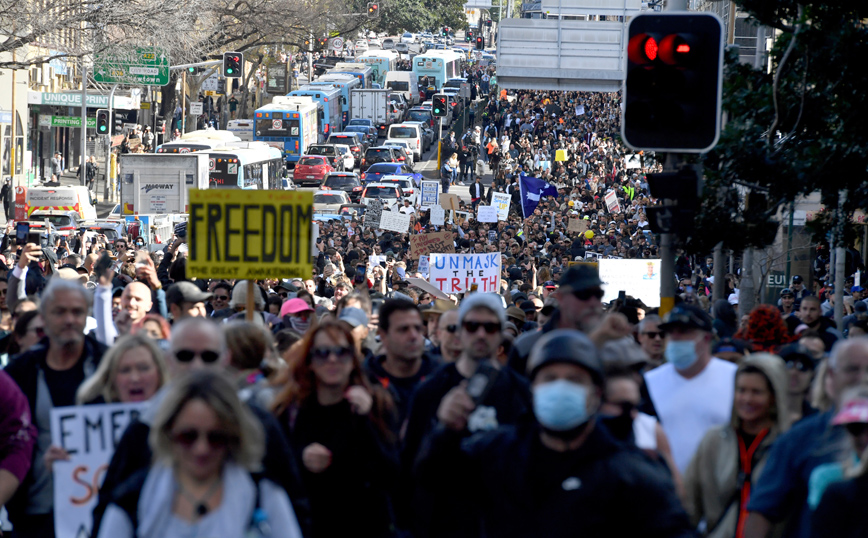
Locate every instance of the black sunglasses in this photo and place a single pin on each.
(451, 328)
(856, 428)
(322, 354)
(801, 366)
(584, 295)
(186, 355)
(216, 439)
(489, 326)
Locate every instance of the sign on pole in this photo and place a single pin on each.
(241, 234)
(89, 434)
(430, 193)
(196, 109)
(456, 273)
(143, 66)
(338, 43)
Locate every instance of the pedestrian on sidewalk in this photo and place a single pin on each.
(57, 165)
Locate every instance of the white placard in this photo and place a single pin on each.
(430, 193)
(455, 273)
(501, 201)
(438, 215)
(637, 278)
(395, 221)
(89, 434)
(196, 109)
(486, 213)
(423, 265)
(374, 261)
(612, 203)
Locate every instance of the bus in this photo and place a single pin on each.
(329, 97)
(359, 70)
(346, 83)
(255, 169)
(198, 140)
(435, 67)
(381, 61)
(243, 129)
(288, 123)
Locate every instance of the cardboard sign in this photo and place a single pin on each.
(638, 278)
(247, 234)
(90, 434)
(612, 203)
(501, 201)
(456, 273)
(373, 213)
(424, 244)
(438, 215)
(449, 201)
(486, 213)
(395, 221)
(577, 226)
(430, 193)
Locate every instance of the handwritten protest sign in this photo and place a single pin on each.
(486, 213)
(395, 221)
(438, 215)
(373, 213)
(430, 193)
(501, 201)
(247, 234)
(424, 244)
(577, 225)
(90, 435)
(456, 273)
(423, 265)
(612, 202)
(375, 260)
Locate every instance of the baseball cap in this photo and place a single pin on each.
(854, 289)
(186, 292)
(566, 346)
(797, 352)
(294, 306)
(580, 277)
(550, 284)
(787, 291)
(797, 279)
(854, 411)
(354, 316)
(860, 306)
(527, 306)
(686, 316)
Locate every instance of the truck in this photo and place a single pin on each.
(158, 182)
(63, 207)
(376, 106)
(153, 229)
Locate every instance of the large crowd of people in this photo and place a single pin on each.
(354, 403)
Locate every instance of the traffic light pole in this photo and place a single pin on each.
(82, 172)
(108, 147)
(667, 255)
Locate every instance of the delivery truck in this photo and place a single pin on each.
(157, 183)
(374, 105)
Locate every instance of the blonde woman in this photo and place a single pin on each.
(132, 370)
(207, 446)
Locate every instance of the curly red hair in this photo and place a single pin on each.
(766, 329)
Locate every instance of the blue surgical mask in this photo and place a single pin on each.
(681, 353)
(560, 405)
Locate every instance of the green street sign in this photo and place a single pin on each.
(65, 121)
(143, 66)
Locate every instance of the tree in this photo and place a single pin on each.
(795, 131)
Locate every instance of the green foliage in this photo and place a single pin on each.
(418, 15)
(819, 142)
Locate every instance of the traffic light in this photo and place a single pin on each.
(323, 41)
(480, 42)
(103, 122)
(674, 82)
(373, 10)
(439, 105)
(233, 64)
(680, 195)
(307, 42)
(195, 70)
(444, 31)
(468, 36)
(488, 23)
(221, 86)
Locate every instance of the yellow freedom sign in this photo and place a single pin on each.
(244, 234)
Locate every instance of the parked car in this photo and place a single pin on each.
(311, 170)
(347, 182)
(329, 201)
(388, 193)
(379, 154)
(337, 158)
(375, 172)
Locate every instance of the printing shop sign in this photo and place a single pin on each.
(89, 434)
(457, 273)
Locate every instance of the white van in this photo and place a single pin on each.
(410, 132)
(405, 82)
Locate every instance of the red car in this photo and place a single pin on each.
(311, 170)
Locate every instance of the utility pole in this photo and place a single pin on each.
(83, 170)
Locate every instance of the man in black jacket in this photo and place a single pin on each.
(199, 343)
(560, 475)
(49, 374)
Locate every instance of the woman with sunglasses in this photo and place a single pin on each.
(132, 370)
(207, 446)
(337, 423)
(841, 512)
(28, 330)
(731, 457)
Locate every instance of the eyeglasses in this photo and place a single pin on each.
(655, 334)
(321, 355)
(584, 295)
(799, 365)
(216, 439)
(489, 326)
(187, 355)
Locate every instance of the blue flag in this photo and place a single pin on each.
(532, 189)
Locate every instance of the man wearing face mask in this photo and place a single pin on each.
(693, 391)
(562, 474)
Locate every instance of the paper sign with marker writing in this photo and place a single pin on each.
(501, 201)
(486, 213)
(395, 221)
(455, 273)
(438, 215)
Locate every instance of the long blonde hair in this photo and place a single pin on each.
(102, 382)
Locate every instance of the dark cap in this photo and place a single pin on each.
(185, 292)
(687, 316)
(581, 277)
(798, 352)
(566, 346)
(797, 279)
(514, 312)
(860, 306)
(550, 284)
(787, 291)
(527, 306)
